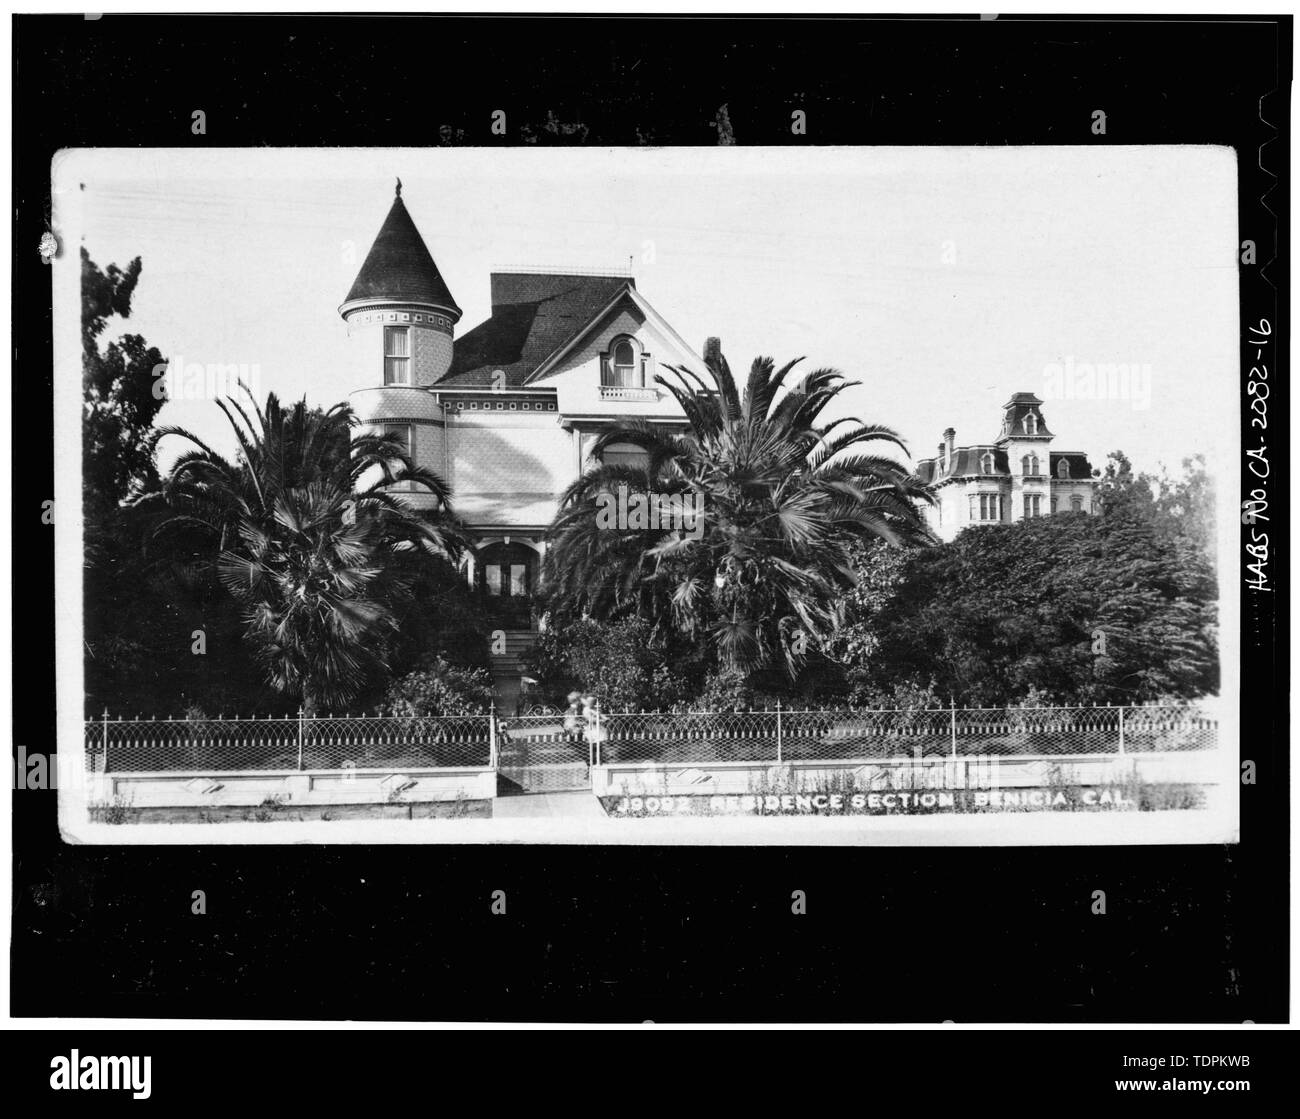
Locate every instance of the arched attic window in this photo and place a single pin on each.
(1063, 469)
(986, 462)
(624, 366)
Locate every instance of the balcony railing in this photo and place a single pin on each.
(619, 392)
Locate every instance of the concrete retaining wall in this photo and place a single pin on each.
(188, 790)
(649, 778)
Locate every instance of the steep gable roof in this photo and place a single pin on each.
(533, 316)
(399, 267)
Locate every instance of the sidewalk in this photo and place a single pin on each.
(567, 806)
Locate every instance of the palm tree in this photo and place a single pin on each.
(303, 532)
(783, 495)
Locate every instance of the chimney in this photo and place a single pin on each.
(949, 435)
(712, 350)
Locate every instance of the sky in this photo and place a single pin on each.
(942, 279)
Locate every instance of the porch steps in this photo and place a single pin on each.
(510, 662)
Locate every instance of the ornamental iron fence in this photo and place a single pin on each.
(543, 739)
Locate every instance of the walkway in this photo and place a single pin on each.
(568, 806)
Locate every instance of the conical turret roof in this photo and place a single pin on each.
(399, 267)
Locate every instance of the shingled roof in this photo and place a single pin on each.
(1014, 412)
(399, 267)
(533, 315)
(966, 462)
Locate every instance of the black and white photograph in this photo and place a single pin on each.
(866, 496)
(678, 520)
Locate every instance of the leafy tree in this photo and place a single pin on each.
(140, 618)
(121, 391)
(1181, 505)
(303, 544)
(783, 496)
(853, 647)
(1084, 609)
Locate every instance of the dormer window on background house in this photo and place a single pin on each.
(1063, 469)
(1031, 424)
(986, 462)
(397, 355)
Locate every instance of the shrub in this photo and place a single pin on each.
(728, 690)
(439, 689)
(622, 663)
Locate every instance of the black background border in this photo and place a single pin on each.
(617, 933)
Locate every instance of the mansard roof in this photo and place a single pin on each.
(1014, 412)
(966, 461)
(534, 315)
(399, 267)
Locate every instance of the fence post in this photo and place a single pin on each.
(105, 739)
(300, 732)
(492, 734)
(778, 732)
(598, 734)
(1121, 730)
(952, 724)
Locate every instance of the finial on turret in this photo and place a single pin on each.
(399, 188)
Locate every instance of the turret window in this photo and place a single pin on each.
(1031, 423)
(402, 433)
(397, 355)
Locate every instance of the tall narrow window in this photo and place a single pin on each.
(402, 432)
(1031, 424)
(974, 508)
(1076, 504)
(397, 355)
(1029, 465)
(624, 365)
(1063, 468)
(986, 462)
(1033, 505)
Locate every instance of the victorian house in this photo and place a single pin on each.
(506, 411)
(1018, 475)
